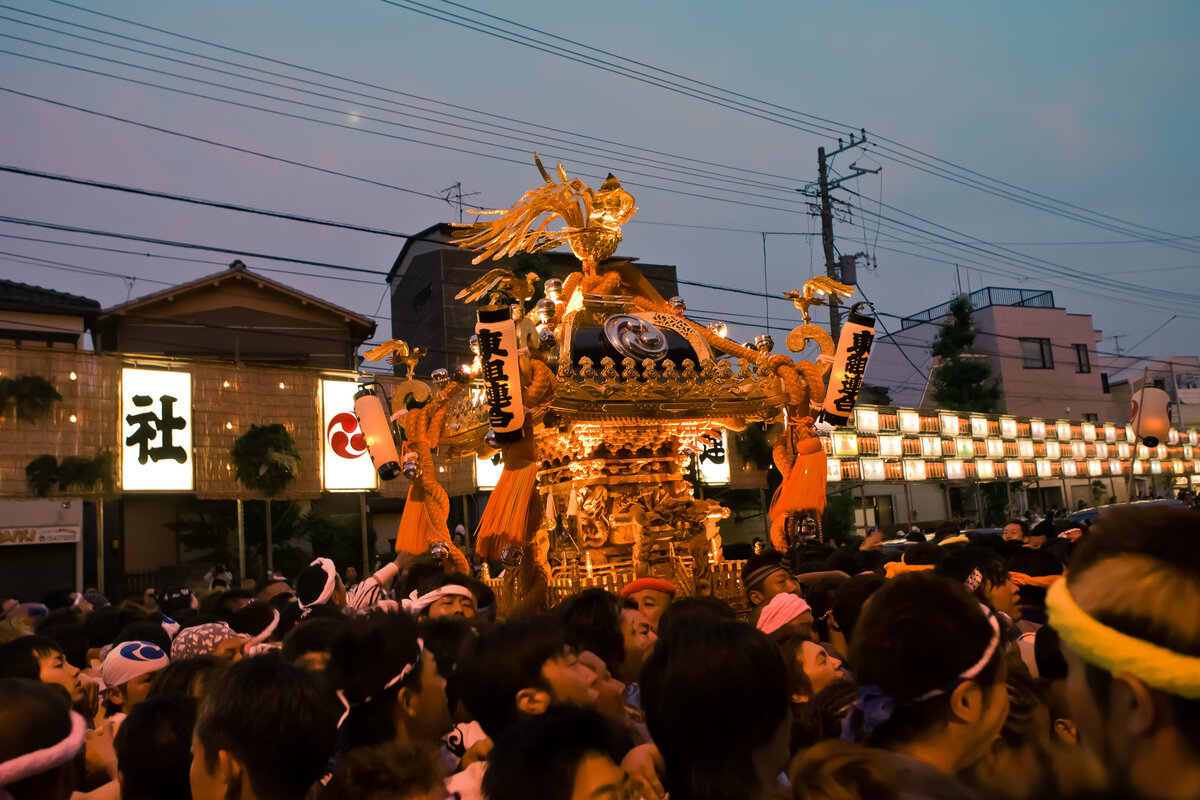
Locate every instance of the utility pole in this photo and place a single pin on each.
(824, 185)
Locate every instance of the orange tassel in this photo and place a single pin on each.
(804, 488)
(415, 524)
(506, 519)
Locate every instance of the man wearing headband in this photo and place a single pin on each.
(319, 584)
(1126, 615)
(127, 671)
(40, 738)
(786, 615)
(652, 596)
(763, 577)
(442, 596)
(214, 638)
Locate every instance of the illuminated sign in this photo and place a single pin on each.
(910, 421)
(1101, 450)
(1037, 428)
(1053, 450)
(39, 535)
(156, 430)
(501, 374)
(914, 469)
(1068, 469)
(345, 462)
(833, 470)
(1089, 432)
(965, 448)
(1114, 467)
(985, 470)
(1043, 468)
(1014, 469)
(1079, 450)
(1094, 467)
(867, 419)
(931, 447)
(1110, 433)
(955, 470)
(949, 424)
(872, 469)
(995, 448)
(845, 444)
(1064, 430)
(1008, 427)
(979, 427)
(849, 365)
(487, 472)
(1025, 448)
(713, 461)
(889, 446)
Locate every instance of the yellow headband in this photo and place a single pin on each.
(894, 568)
(1033, 581)
(1119, 653)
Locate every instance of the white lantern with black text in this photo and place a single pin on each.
(849, 365)
(156, 430)
(501, 371)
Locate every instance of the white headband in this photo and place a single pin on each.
(128, 660)
(266, 632)
(330, 581)
(971, 672)
(404, 673)
(46, 759)
(415, 603)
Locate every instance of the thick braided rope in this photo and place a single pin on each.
(424, 428)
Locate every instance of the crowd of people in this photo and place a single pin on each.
(967, 667)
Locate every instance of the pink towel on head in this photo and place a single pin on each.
(782, 609)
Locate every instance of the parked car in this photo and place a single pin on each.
(1090, 515)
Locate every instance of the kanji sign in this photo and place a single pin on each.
(713, 461)
(501, 371)
(156, 430)
(849, 366)
(345, 462)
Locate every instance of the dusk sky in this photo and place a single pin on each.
(1085, 109)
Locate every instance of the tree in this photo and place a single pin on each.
(873, 395)
(962, 380)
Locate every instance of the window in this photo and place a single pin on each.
(422, 297)
(1091, 417)
(1082, 364)
(1035, 353)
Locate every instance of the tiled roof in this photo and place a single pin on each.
(15, 296)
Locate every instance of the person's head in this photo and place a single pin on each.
(837, 770)
(1016, 530)
(229, 603)
(40, 741)
(387, 682)
(38, 658)
(985, 575)
(319, 584)
(1128, 616)
(928, 658)
(445, 638)
(388, 772)
(351, 575)
(520, 668)
(848, 603)
(638, 635)
(154, 749)
(128, 670)
(945, 530)
(733, 744)
(444, 595)
(152, 632)
(265, 731)
(307, 645)
(695, 610)
(564, 754)
(1041, 533)
(211, 638)
(651, 596)
(174, 600)
(275, 586)
(810, 667)
(191, 676)
(594, 618)
(786, 615)
(1031, 570)
(763, 577)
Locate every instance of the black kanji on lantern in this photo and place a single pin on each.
(496, 387)
(151, 425)
(715, 451)
(856, 365)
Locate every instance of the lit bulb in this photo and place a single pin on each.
(226, 384)
(228, 426)
(281, 385)
(74, 376)
(73, 418)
